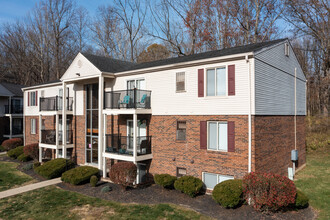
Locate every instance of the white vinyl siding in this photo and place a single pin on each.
(217, 136)
(216, 82)
(211, 179)
(33, 126)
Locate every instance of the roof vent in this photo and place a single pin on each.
(80, 63)
(286, 49)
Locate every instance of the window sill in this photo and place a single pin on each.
(216, 97)
(181, 141)
(217, 151)
(182, 91)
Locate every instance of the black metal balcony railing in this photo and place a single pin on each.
(49, 137)
(16, 130)
(55, 103)
(14, 109)
(124, 144)
(133, 98)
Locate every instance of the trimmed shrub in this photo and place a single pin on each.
(301, 200)
(24, 158)
(268, 191)
(189, 185)
(36, 164)
(2, 149)
(229, 193)
(54, 168)
(165, 180)
(14, 153)
(12, 143)
(123, 173)
(80, 175)
(93, 181)
(32, 150)
(27, 167)
(106, 189)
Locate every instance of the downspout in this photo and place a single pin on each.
(249, 117)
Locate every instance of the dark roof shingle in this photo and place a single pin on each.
(13, 88)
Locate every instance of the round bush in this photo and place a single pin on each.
(268, 191)
(301, 200)
(2, 149)
(16, 152)
(228, 193)
(189, 185)
(93, 181)
(80, 175)
(106, 189)
(165, 180)
(123, 173)
(32, 150)
(54, 168)
(12, 143)
(24, 158)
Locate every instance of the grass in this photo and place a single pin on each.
(314, 181)
(56, 203)
(10, 177)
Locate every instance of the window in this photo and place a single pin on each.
(180, 82)
(216, 82)
(181, 171)
(181, 131)
(136, 83)
(32, 99)
(217, 136)
(33, 126)
(212, 179)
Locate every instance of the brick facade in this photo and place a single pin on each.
(31, 138)
(274, 140)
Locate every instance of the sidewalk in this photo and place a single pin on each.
(12, 192)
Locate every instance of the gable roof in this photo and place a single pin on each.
(107, 64)
(15, 89)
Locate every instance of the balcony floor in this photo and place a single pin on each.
(126, 157)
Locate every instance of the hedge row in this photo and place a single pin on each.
(54, 168)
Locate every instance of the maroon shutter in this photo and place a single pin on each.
(201, 83)
(231, 136)
(36, 98)
(203, 134)
(231, 80)
(28, 95)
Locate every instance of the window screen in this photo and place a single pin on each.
(181, 130)
(180, 82)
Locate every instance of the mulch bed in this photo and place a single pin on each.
(155, 194)
(203, 203)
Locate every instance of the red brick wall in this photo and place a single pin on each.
(274, 140)
(31, 138)
(80, 138)
(168, 154)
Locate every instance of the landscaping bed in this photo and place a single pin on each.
(203, 203)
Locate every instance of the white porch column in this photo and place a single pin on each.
(57, 133)
(104, 145)
(100, 128)
(40, 154)
(10, 126)
(134, 136)
(64, 120)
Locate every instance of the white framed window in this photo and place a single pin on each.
(136, 84)
(180, 82)
(33, 126)
(216, 82)
(217, 135)
(181, 130)
(212, 179)
(32, 98)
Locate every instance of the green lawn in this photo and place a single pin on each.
(56, 203)
(10, 177)
(314, 181)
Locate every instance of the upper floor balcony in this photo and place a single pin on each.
(55, 103)
(122, 147)
(128, 99)
(13, 109)
(49, 137)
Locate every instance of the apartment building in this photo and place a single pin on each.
(11, 111)
(214, 115)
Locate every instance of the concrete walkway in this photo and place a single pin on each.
(3, 153)
(12, 192)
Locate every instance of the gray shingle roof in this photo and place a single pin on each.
(13, 88)
(106, 64)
